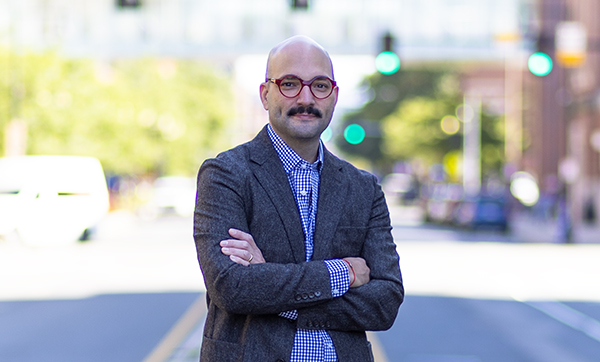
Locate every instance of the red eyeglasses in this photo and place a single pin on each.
(290, 86)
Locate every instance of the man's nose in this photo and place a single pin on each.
(306, 96)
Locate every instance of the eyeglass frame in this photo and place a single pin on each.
(307, 83)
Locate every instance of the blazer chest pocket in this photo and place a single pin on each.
(348, 241)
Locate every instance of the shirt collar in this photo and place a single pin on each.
(289, 158)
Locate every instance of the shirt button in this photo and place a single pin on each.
(303, 165)
(303, 193)
(335, 291)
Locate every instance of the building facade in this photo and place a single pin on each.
(562, 115)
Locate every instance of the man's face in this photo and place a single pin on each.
(302, 118)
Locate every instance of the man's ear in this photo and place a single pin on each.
(264, 90)
(336, 95)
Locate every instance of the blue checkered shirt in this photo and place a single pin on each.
(304, 178)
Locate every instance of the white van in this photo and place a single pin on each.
(51, 199)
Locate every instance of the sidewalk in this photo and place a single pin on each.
(533, 230)
(523, 227)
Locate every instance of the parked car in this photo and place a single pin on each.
(440, 201)
(400, 187)
(51, 200)
(482, 212)
(171, 195)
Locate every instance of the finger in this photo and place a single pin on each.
(237, 244)
(239, 253)
(240, 235)
(239, 260)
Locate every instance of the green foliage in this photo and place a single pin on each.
(403, 120)
(413, 130)
(137, 116)
(388, 91)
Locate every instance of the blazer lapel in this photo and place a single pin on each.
(269, 172)
(331, 198)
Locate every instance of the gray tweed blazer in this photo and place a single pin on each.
(246, 188)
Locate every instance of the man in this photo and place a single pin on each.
(294, 244)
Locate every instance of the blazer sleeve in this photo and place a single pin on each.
(372, 306)
(224, 200)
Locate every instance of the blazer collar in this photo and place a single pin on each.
(332, 198)
(269, 172)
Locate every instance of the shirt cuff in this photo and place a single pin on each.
(290, 314)
(339, 277)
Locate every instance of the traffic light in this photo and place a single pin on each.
(299, 4)
(354, 134)
(540, 64)
(387, 62)
(129, 3)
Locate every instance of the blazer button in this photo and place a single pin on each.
(304, 296)
(318, 294)
(311, 295)
(298, 297)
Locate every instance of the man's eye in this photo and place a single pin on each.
(321, 85)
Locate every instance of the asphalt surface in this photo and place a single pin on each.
(134, 293)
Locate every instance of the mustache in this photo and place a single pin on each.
(307, 110)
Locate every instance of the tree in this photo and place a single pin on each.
(388, 91)
(405, 117)
(141, 116)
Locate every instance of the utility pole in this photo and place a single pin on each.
(472, 145)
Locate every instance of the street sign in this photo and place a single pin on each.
(571, 44)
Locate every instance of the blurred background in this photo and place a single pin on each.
(481, 119)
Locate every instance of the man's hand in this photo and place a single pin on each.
(362, 273)
(241, 249)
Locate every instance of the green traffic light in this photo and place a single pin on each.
(540, 64)
(387, 62)
(354, 134)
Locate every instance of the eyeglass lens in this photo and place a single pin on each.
(292, 86)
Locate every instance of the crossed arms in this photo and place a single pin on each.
(236, 219)
(242, 249)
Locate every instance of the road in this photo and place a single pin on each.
(134, 293)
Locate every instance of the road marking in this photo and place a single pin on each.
(190, 319)
(378, 352)
(179, 332)
(569, 316)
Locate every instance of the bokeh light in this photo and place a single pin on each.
(387, 62)
(327, 135)
(540, 64)
(354, 134)
(450, 125)
(524, 188)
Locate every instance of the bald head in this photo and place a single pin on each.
(300, 48)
